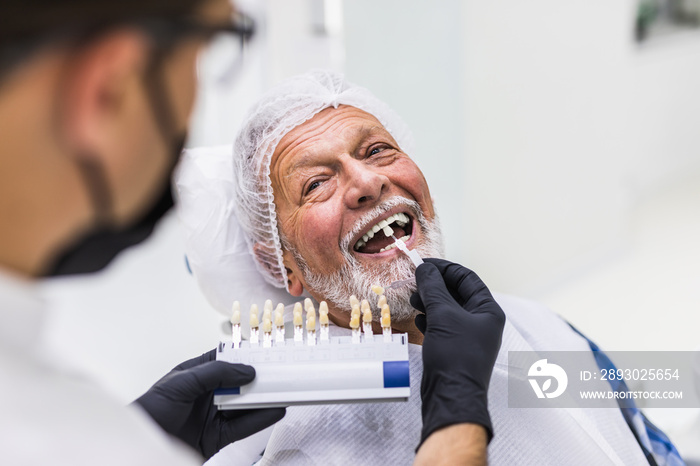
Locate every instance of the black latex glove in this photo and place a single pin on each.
(462, 324)
(182, 404)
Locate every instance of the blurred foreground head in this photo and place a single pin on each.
(95, 98)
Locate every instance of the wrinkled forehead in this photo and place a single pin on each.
(329, 131)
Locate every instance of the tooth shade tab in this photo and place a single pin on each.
(386, 310)
(323, 318)
(267, 325)
(268, 305)
(323, 308)
(236, 317)
(311, 322)
(354, 301)
(364, 306)
(355, 322)
(381, 301)
(297, 308)
(355, 311)
(411, 253)
(386, 321)
(310, 309)
(308, 304)
(279, 310)
(254, 322)
(394, 245)
(378, 290)
(367, 316)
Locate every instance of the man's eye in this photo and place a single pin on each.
(375, 150)
(313, 186)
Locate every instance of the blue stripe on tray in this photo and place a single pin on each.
(396, 374)
(228, 391)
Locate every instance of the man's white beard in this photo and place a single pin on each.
(357, 279)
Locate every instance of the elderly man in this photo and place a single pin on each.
(320, 168)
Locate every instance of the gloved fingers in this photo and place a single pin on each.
(247, 422)
(465, 285)
(206, 357)
(189, 384)
(431, 287)
(421, 323)
(416, 302)
(496, 312)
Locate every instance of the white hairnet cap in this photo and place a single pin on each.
(284, 107)
(215, 245)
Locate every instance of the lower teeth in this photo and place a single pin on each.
(393, 245)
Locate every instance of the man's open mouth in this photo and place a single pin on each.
(378, 238)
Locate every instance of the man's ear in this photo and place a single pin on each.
(294, 284)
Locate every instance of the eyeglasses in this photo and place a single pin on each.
(223, 57)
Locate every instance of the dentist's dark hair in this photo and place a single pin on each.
(27, 26)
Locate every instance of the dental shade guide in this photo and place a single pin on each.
(316, 368)
(412, 254)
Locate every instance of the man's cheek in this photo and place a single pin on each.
(320, 234)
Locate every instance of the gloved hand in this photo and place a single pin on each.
(462, 324)
(182, 404)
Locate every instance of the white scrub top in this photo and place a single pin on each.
(48, 417)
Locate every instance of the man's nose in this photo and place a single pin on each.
(365, 185)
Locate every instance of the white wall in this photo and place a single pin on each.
(545, 157)
(540, 124)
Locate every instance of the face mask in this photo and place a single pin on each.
(94, 251)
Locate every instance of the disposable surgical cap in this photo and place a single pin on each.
(280, 110)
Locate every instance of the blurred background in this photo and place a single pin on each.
(561, 142)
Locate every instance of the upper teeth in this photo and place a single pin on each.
(400, 219)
